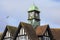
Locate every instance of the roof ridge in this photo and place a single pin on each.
(10, 26)
(11, 29)
(42, 29)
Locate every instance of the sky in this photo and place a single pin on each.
(12, 12)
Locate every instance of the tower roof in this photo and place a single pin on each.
(33, 7)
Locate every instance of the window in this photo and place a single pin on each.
(23, 38)
(39, 38)
(7, 38)
(46, 38)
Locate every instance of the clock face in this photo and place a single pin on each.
(36, 15)
(32, 14)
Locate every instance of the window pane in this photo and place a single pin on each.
(46, 38)
(22, 38)
(8, 39)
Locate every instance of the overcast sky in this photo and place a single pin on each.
(12, 12)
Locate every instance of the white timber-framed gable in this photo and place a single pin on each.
(22, 35)
(46, 36)
(7, 36)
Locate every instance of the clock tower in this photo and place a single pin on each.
(33, 16)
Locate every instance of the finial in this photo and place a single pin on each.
(33, 3)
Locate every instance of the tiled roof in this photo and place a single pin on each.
(33, 7)
(40, 30)
(28, 29)
(31, 32)
(56, 33)
(11, 29)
